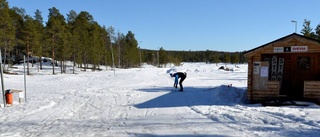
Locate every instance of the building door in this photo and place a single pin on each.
(303, 69)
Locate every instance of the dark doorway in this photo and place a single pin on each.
(280, 70)
(297, 68)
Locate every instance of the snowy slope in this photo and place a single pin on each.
(139, 102)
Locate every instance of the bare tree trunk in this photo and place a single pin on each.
(5, 56)
(61, 66)
(40, 61)
(74, 62)
(53, 63)
(28, 72)
(119, 65)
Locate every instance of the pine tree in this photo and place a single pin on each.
(7, 28)
(101, 44)
(37, 49)
(17, 18)
(307, 30)
(97, 45)
(131, 51)
(82, 27)
(64, 49)
(73, 37)
(162, 57)
(318, 32)
(55, 30)
(104, 35)
(121, 42)
(30, 38)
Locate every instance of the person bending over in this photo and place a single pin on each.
(182, 76)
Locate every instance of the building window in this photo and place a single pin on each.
(303, 63)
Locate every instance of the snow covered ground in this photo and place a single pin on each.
(140, 102)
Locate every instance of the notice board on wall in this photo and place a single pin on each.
(259, 81)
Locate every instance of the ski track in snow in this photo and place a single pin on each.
(140, 103)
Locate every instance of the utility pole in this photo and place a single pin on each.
(140, 54)
(158, 58)
(2, 84)
(295, 22)
(25, 79)
(119, 61)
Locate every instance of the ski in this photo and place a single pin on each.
(176, 90)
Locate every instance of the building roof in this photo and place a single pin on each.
(280, 39)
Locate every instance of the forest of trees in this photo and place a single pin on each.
(77, 37)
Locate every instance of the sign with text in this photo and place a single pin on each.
(277, 49)
(256, 66)
(299, 48)
(290, 49)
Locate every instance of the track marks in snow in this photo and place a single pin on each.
(148, 112)
(290, 118)
(256, 120)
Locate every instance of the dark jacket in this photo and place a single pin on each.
(180, 74)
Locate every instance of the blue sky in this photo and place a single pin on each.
(220, 25)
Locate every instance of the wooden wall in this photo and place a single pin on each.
(272, 92)
(312, 90)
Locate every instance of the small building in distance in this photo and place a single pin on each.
(288, 67)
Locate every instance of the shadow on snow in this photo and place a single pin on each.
(194, 96)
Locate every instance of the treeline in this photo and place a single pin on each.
(80, 39)
(163, 57)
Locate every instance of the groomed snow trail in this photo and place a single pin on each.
(138, 102)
